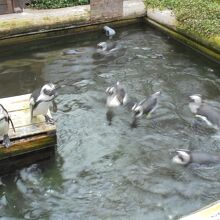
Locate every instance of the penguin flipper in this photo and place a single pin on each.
(31, 109)
(12, 124)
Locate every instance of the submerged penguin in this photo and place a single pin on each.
(145, 107)
(40, 101)
(202, 110)
(185, 157)
(107, 46)
(109, 32)
(116, 95)
(5, 120)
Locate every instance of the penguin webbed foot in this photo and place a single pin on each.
(134, 123)
(109, 116)
(49, 120)
(6, 141)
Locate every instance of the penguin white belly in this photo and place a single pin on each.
(113, 101)
(4, 127)
(42, 108)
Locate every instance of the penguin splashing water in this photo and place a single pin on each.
(116, 96)
(185, 157)
(5, 120)
(145, 107)
(205, 112)
(40, 101)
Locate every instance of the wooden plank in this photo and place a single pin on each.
(27, 145)
(209, 212)
(16, 102)
(26, 152)
(19, 111)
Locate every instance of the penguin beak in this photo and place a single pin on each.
(53, 93)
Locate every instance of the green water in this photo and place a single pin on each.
(113, 172)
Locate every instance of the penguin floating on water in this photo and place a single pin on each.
(185, 157)
(109, 32)
(116, 96)
(5, 120)
(205, 112)
(107, 46)
(145, 107)
(40, 101)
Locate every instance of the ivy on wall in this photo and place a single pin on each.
(48, 4)
(200, 16)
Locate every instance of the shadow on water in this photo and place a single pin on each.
(113, 172)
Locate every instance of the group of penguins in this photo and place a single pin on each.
(203, 112)
(43, 98)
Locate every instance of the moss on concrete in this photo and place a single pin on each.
(199, 16)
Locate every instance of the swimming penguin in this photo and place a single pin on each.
(40, 101)
(185, 157)
(209, 114)
(5, 120)
(109, 32)
(107, 46)
(116, 95)
(71, 52)
(146, 106)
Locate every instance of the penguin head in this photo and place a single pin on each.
(197, 99)
(183, 157)
(138, 110)
(110, 91)
(102, 46)
(155, 95)
(48, 90)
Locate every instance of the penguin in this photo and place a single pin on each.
(205, 112)
(116, 95)
(71, 52)
(109, 32)
(5, 120)
(185, 157)
(107, 46)
(145, 107)
(40, 101)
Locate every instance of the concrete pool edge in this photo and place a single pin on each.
(37, 24)
(166, 21)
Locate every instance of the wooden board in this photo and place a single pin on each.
(211, 212)
(33, 140)
(19, 111)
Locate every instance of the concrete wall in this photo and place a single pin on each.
(3, 6)
(106, 9)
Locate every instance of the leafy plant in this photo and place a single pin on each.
(48, 4)
(201, 16)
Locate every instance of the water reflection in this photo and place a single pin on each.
(113, 172)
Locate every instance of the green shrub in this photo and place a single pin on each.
(47, 4)
(201, 16)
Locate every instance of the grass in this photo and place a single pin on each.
(198, 16)
(50, 4)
